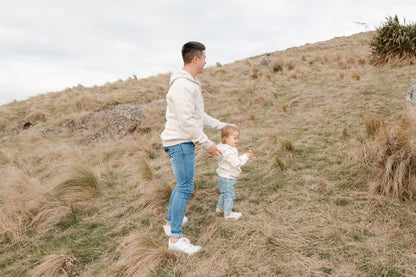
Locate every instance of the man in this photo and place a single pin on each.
(185, 120)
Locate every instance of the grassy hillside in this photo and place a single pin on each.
(85, 182)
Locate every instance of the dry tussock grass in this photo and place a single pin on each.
(3, 158)
(142, 254)
(48, 215)
(286, 146)
(145, 170)
(13, 224)
(77, 99)
(48, 160)
(267, 246)
(254, 74)
(6, 115)
(35, 116)
(342, 65)
(373, 125)
(19, 201)
(393, 153)
(362, 61)
(152, 120)
(157, 198)
(355, 75)
(86, 102)
(81, 183)
(25, 202)
(133, 154)
(277, 66)
(54, 265)
(29, 137)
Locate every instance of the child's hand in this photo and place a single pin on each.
(250, 154)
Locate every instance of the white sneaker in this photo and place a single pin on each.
(233, 216)
(184, 245)
(166, 228)
(218, 210)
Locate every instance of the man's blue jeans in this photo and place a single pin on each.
(225, 201)
(182, 159)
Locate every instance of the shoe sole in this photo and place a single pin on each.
(178, 250)
(232, 218)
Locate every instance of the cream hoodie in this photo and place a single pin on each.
(185, 116)
(229, 162)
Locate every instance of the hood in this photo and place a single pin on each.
(182, 74)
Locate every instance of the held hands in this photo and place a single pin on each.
(250, 154)
(213, 150)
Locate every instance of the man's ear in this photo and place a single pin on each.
(195, 59)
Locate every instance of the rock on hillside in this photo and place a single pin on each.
(97, 126)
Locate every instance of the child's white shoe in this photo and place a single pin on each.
(218, 210)
(166, 228)
(233, 216)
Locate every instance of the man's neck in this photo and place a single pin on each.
(190, 70)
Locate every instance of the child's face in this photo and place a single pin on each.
(232, 139)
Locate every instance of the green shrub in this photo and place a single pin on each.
(393, 42)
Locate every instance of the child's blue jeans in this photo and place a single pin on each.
(227, 195)
(182, 159)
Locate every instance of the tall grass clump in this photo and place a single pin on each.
(373, 125)
(81, 183)
(142, 255)
(392, 153)
(158, 198)
(49, 214)
(394, 42)
(13, 225)
(3, 158)
(277, 67)
(146, 170)
(286, 146)
(54, 265)
(19, 201)
(278, 163)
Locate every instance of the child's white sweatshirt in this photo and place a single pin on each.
(229, 162)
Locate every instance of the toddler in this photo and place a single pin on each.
(229, 170)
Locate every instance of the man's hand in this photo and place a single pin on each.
(213, 150)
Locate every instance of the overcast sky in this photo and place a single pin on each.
(50, 45)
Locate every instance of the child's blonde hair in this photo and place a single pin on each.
(227, 130)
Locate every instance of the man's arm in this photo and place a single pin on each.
(212, 123)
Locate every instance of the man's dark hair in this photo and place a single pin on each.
(190, 50)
